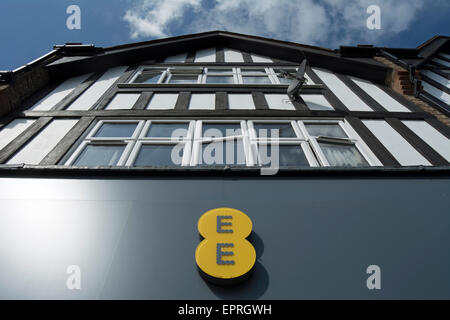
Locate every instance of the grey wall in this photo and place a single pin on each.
(135, 238)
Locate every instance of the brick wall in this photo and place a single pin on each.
(398, 80)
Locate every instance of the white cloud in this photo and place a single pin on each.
(151, 18)
(328, 23)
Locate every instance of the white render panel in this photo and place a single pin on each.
(257, 58)
(163, 101)
(202, 101)
(342, 92)
(177, 58)
(389, 103)
(123, 101)
(441, 62)
(316, 102)
(434, 76)
(96, 90)
(50, 100)
(241, 101)
(405, 154)
(431, 136)
(439, 94)
(35, 150)
(13, 129)
(279, 101)
(206, 55)
(233, 55)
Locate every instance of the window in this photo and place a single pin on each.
(149, 76)
(255, 76)
(135, 143)
(107, 144)
(280, 144)
(334, 146)
(221, 143)
(220, 76)
(212, 75)
(264, 143)
(100, 155)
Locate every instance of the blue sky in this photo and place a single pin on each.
(30, 28)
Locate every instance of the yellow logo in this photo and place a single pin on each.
(225, 255)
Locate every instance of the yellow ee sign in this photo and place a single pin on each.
(225, 256)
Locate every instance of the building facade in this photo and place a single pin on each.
(89, 176)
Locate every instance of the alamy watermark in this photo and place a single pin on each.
(73, 21)
(374, 280)
(230, 148)
(73, 281)
(373, 22)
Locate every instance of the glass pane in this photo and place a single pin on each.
(291, 71)
(167, 129)
(251, 80)
(183, 79)
(283, 80)
(219, 79)
(283, 155)
(100, 155)
(221, 129)
(112, 130)
(264, 130)
(326, 129)
(159, 155)
(219, 70)
(148, 77)
(223, 153)
(343, 155)
(253, 71)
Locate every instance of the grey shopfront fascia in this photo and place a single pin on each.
(134, 234)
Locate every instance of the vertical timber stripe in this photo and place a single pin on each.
(386, 158)
(183, 101)
(143, 100)
(78, 91)
(11, 148)
(421, 146)
(57, 153)
(328, 94)
(367, 99)
(221, 101)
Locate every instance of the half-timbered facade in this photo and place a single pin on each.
(351, 141)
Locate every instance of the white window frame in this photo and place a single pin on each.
(199, 140)
(90, 139)
(352, 138)
(299, 140)
(250, 141)
(236, 73)
(143, 140)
